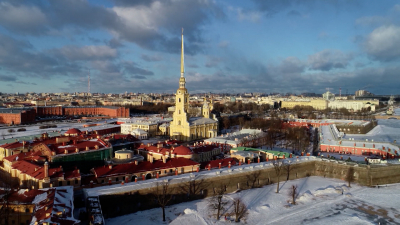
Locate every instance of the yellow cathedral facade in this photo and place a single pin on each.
(183, 127)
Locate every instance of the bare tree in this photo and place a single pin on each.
(163, 195)
(288, 168)
(253, 179)
(350, 176)
(239, 209)
(217, 201)
(193, 187)
(227, 123)
(293, 192)
(279, 168)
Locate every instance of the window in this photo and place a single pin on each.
(116, 179)
(68, 182)
(179, 99)
(179, 122)
(60, 183)
(76, 181)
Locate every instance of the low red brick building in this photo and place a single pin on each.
(28, 115)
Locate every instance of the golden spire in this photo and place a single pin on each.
(182, 58)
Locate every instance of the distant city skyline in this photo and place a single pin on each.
(262, 46)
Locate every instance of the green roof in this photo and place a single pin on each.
(276, 153)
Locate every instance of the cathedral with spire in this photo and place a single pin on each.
(186, 128)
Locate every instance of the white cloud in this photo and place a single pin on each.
(248, 15)
(396, 8)
(155, 25)
(372, 20)
(223, 44)
(383, 43)
(292, 65)
(329, 59)
(92, 52)
(22, 17)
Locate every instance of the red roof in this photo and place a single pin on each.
(129, 168)
(24, 196)
(12, 145)
(73, 131)
(37, 171)
(127, 137)
(81, 145)
(182, 150)
(24, 155)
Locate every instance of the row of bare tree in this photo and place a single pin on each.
(296, 138)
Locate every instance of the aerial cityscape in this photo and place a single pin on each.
(199, 112)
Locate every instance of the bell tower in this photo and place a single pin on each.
(180, 117)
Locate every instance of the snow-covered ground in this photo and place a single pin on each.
(397, 111)
(320, 201)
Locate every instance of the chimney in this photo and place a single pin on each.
(151, 158)
(136, 162)
(63, 143)
(46, 169)
(76, 150)
(87, 148)
(148, 144)
(110, 167)
(65, 151)
(96, 147)
(164, 159)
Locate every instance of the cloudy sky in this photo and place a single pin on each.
(231, 46)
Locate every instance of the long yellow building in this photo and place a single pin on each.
(319, 104)
(183, 127)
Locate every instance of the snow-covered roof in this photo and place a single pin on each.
(381, 136)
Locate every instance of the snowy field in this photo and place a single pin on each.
(320, 201)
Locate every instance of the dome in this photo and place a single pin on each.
(73, 131)
(182, 150)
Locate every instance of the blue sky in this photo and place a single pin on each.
(231, 46)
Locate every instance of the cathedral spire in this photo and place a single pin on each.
(182, 58)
